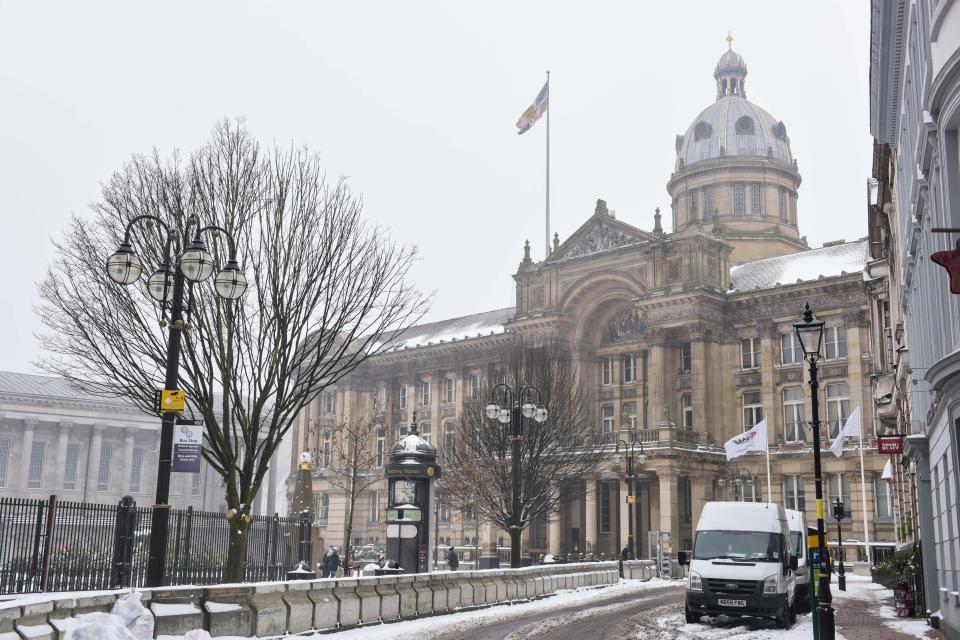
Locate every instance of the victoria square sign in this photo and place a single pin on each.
(890, 445)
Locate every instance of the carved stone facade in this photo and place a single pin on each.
(681, 350)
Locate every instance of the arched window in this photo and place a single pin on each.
(745, 126)
(327, 449)
(702, 131)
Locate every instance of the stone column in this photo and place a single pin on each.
(26, 451)
(590, 526)
(624, 517)
(93, 463)
(698, 380)
(555, 533)
(657, 372)
(699, 486)
(126, 472)
(63, 440)
(772, 404)
(669, 520)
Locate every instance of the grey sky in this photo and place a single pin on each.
(416, 103)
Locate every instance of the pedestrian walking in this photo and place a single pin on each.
(453, 560)
(625, 554)
(331, 562)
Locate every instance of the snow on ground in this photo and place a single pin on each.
(722, 627)
(881, 601)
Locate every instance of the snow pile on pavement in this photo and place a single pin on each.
(128, 620)
(861, 588)
(714, 628)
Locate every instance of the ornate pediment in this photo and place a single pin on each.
(602, 232)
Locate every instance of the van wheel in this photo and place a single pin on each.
(692, 618)
(793, 613)
(783, 619)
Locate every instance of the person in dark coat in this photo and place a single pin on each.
(453, 560)
(331, 562)
(625, 554)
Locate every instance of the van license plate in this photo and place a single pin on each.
(732, 603)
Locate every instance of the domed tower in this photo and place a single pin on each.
(734, 167)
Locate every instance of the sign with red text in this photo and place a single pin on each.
(890, 445)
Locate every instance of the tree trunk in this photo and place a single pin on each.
(234, 571)
(515, 548)
(347, 535)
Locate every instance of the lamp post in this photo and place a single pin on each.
(841, 573)
(810, 335)
(642, 459)
(739, 476)
(166, 286)
(519, 405)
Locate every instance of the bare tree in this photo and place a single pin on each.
(554, 455)
(356, 458)
(325, 287)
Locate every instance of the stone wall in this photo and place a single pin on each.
(276, 608)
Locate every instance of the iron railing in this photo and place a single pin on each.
(48, 545)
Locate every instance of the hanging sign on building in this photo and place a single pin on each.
(890, 445)
(187, 444)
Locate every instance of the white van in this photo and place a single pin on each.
(798, 541)
(742, 563)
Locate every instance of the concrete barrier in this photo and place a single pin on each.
(228, 611)
(326, 607)
(348, 614)
(389, 598)
(278, 608)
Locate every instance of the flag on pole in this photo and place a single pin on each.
(534, 111)
(850, 429)
(754, 439)
(887, 470)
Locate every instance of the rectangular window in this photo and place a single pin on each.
(37, 455)
(426, 432)
(749, 353)
(629, 415)
(608, 418)
(403, 396)
(748, 490)
(195, 483)
(606, 371)
(782, 205)
(793, 493)
(791, 351)
(604, 508)
(629, 368)
(449, 435)
(694, 205)
(752, 409)
(321, 505)
(329, 402)
(686, 404)
(709, 204)
(327, 451)
(374, 506)
(882, 496)
(136, 466)
(70, 467)
(381, 398)
(838, 406)
(103, 476)
(426, 393)
(739, 200)
(449, 390)
(838, 486)
(381, 441)
(794, 429)
(836, 341)
(4, 461)
(685, 357)
(755, 208)
(475, 386)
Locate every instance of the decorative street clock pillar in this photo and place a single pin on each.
(410, 474)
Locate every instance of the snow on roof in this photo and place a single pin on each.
(830, 261)
(431, 333)
(29, 384)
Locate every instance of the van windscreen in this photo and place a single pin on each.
(751, 546)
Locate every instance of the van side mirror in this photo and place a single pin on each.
(794, 563)
(682, 558)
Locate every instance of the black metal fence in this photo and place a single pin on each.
(48, 545)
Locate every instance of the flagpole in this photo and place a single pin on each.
(863, 497)
(547, 244)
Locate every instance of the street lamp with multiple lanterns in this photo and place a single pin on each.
(739, 477)
(166, 285)
(628, 449)
(519, 405)
(810, 335)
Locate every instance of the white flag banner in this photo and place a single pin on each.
(887, 470)
(754, 439)
(851, 428)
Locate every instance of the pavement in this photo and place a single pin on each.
(865, 612)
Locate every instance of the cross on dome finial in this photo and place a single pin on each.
(729, 40)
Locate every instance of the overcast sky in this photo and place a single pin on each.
(416, 103)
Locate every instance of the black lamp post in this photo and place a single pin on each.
(518, 406)
(841, 574)
(166, 286)
(739, 476)
(810, 335)
(630, 477)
